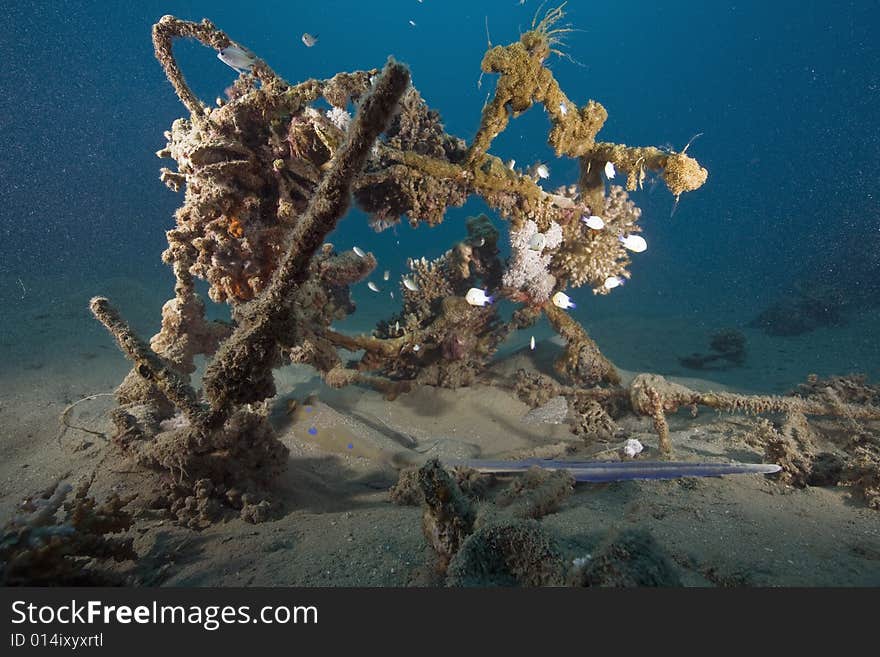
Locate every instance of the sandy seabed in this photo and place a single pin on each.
(339, 527)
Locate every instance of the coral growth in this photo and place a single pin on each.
(531, 250)
(630, 559)
(517, 553)
(41, 548)
(537, 493)
(448, 516)
(267, 174)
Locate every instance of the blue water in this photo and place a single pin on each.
(785, 94)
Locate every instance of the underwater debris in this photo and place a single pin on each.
(862, 474)
(267, 176)
(581, 361)
(448, 515)
(849, 455)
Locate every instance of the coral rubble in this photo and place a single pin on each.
(39, 547)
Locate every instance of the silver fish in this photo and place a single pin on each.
(238, 58)
(539, 171)
(309, 39)
(373, 286)
(359, 252)
(386, 275)
(410, 284)
(604, 471)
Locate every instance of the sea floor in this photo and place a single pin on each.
(339, 528)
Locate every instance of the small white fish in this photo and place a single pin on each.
(594, 222)
(309, 39)
(397, 327)
(359, 252)
(511, 164)
(562, 300)
(412, 23)
(410, 284)
(634, 243)
(373, 286)
(238, 58)
(532, 343)
(481, 242)
(542, 171)
(416, 347)
(613, 281)
(477, 297)
(563, 109)
(392, 294)
(537, 242)
(386, 275)
(610, 172)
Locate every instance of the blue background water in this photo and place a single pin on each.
(786, 94)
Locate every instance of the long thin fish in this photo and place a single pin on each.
(604, 471)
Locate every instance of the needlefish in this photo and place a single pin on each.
(605, 471)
